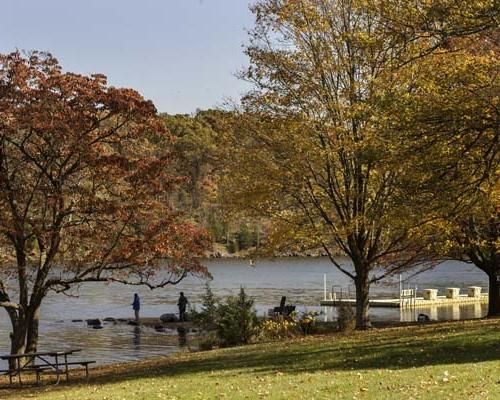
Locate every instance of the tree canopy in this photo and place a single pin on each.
(314, 152)
(361, 113)
(446, 110)
(83, 190)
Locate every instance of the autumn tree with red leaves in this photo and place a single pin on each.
(84, 194)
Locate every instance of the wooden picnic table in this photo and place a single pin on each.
(41, 361)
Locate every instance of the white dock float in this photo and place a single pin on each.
(453, 293)
(418, 302)
(474, 291)
(430, 294)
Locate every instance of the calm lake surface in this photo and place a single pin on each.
(299, 279)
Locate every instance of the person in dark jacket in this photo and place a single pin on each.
(182, 303)
(136, 305)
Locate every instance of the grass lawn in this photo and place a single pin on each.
(459, 360)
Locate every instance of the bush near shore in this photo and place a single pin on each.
(458, 360)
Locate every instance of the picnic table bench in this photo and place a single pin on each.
(39, 362)
(283, 309)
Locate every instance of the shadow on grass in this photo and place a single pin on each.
(412, 349)
(386, 348)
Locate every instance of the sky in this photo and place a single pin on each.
(181, 54)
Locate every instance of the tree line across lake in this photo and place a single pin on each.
(371, 131)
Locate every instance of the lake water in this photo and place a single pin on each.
(299, 279)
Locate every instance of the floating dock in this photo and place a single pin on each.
(413, 302)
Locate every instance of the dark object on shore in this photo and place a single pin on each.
(159, 328)
(169, 318)
(283, 309)
(109, 319)
(94, 322)
(133, 323)
(122, 319)
(279, 310)
(97, 326)
(287, 310)
(77, 320)
(423, 318)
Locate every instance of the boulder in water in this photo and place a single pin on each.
(423, 318)
(94, 322)
(169, 318)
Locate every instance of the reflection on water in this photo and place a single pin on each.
(182, 334)
(113, 343)
(136, 340)
(299, 279)
(435, 313)
(450, 312)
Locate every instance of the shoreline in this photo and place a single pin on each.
(219, 251)
(191, 328)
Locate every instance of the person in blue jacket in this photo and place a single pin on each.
(136, 305)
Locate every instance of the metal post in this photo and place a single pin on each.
(400, 289)
(415, 303)
(66, 366)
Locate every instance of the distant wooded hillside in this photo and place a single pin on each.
(200, 146)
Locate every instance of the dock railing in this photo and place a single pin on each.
(340, 293)
(408, 297)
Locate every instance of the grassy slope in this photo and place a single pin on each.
(451, 360)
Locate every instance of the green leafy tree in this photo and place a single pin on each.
(245, 237)
(237, 320)
(195, 145)
(207, 317)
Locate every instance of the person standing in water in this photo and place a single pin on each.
(182, 303)
(136, 305)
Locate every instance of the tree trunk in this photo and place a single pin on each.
(32, 330)
(362, 302)
(24, 335)
(17, 341)
(494, 295)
